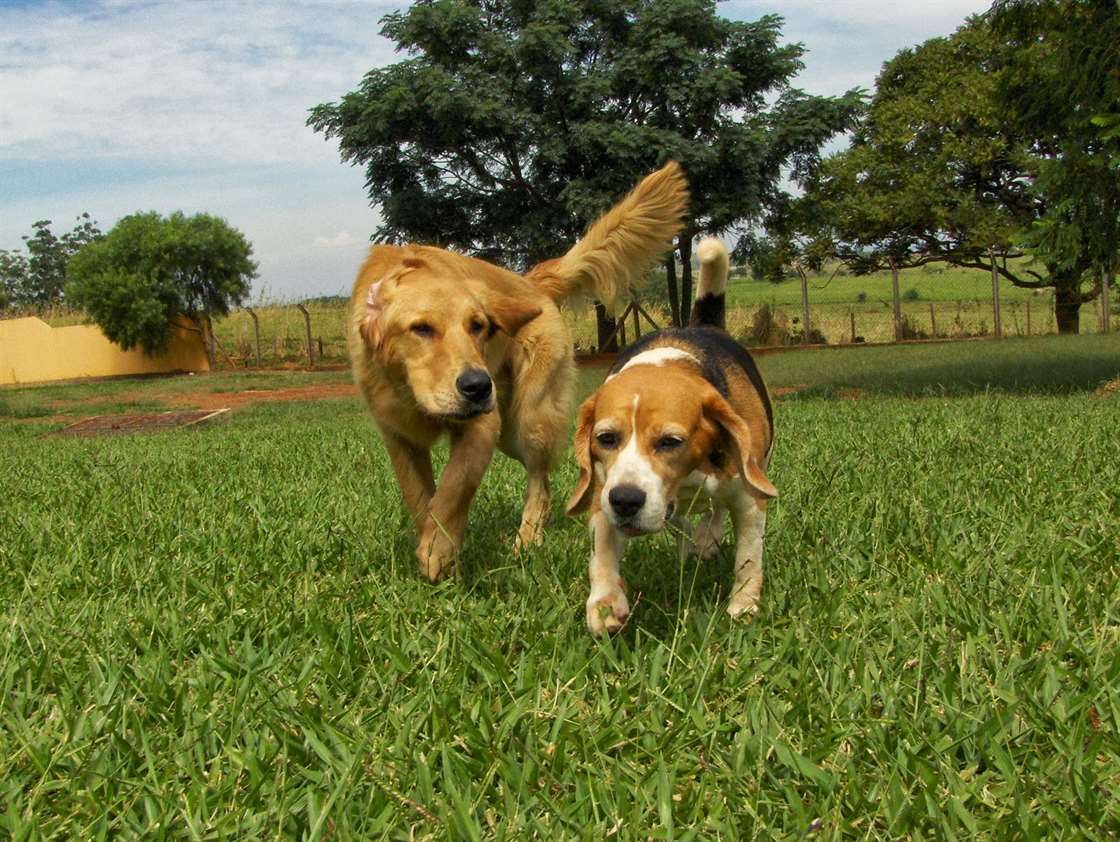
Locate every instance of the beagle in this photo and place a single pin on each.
(682, 422)
(444, 344)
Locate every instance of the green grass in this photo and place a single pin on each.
(221, 632)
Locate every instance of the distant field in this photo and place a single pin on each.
(220, 633)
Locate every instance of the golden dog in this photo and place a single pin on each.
(438, 341)
(683, 414)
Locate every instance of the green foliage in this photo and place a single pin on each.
(149, 269)
(37, 279)
(511, 126)
(911, 294)
(1062, 85)
(934, 172)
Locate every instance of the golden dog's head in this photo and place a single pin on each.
(434, 318)
(644, 432)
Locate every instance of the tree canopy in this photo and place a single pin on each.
(510, 126)
(148, 269)
(38, 278)
(983, 146)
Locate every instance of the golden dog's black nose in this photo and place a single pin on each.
(475, 385)
(626, 500)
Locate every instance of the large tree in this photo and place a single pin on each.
(36, 279)
(1061, 86)
(945, 168)
(149, 269)
(510, 126)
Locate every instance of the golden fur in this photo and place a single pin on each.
(422, 319)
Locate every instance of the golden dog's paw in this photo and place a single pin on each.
(436, 556)
(528, 537)
(743, 607)
(607, 612)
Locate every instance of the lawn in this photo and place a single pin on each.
(220, 632)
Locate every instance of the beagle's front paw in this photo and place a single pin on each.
(607, 610)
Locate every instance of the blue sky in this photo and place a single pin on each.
(124, 105)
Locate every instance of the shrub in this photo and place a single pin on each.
(911, 294)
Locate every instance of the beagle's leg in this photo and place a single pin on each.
(441, 535)
(535, 513)
(708, 532)
(607, 607)
(413, 467)
(748, 517)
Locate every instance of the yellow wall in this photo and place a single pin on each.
(32, 351)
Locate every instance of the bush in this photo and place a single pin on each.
(911, 295)
(861, 297)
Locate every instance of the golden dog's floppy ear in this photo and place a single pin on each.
(754, 478)
(370, 324)
(581, 497)
(509, 314)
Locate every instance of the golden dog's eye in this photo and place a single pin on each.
(423, 329)
(667, 443)
(477, 326)
(607, 439)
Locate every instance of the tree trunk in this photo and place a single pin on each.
(685, 241)
(674, 293)
(1067, 304)
(208, 339)
(605, 325)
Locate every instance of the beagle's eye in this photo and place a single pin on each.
(476, 326)
(667, 443)
(607, 439)
(423, 329)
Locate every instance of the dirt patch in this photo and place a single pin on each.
(782, 391)
(139, 422)
(214, 400)
(1112, 387)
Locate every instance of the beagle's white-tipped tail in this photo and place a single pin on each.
(710, 307)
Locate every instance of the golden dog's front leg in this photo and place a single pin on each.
(607, 608)
(413, 467)
(535, 513)
(472, 446)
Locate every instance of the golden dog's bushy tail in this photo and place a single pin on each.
(622, 244)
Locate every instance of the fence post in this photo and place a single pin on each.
(996, 326)
(307, 324)
(897, 301)
(804, 305)
(637, 324)
(1106, 307)
(932, 321)
(852, 316)
(256, 332)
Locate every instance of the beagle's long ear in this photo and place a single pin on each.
(754, 478)
(581, 497)
(509, 314)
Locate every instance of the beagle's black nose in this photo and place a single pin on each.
(626, 500)
(475, 385)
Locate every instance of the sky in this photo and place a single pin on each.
(119, 106)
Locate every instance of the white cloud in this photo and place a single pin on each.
(342, 238)
(179, 81)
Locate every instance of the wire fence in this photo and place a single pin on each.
(313, 332)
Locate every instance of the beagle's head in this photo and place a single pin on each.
(644, 432)
(435, 321)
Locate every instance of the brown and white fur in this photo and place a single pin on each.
(682, 425)
(441, 343)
